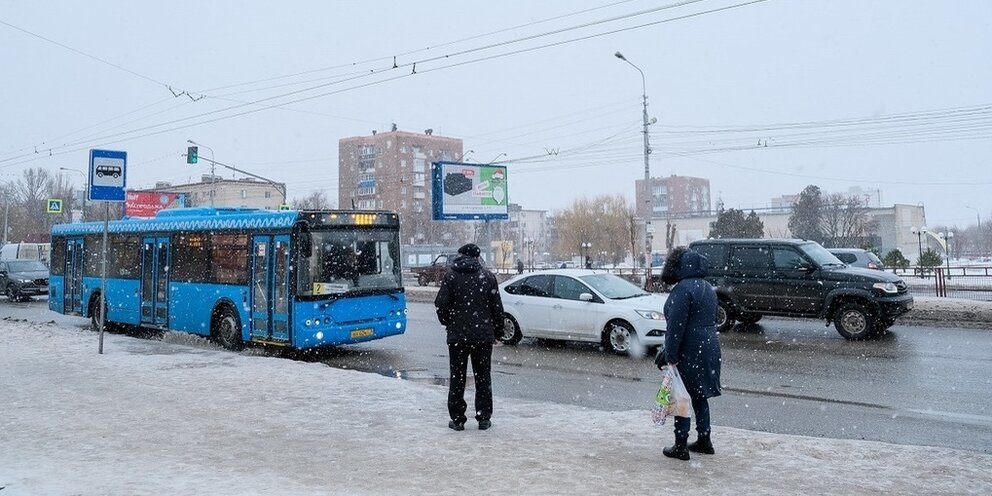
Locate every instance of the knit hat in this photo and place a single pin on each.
(470, 250)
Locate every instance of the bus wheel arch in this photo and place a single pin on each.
(225, 326)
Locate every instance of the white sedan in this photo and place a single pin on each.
(582, 305)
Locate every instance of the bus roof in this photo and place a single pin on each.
(227, 219)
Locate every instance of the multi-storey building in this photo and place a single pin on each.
(391, 171)
(674, 196)
(247, 192)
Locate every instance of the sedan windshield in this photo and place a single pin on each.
(613, 287)
(820, 255)
(26, 266)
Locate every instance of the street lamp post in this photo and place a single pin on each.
(213, 177)
(981, 238)
(947, 249)
(85, 181)
(919, 241)
(586, 246)
(647, 174)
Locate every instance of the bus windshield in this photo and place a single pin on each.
(346, 261)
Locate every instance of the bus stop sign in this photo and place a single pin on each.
(108, 176)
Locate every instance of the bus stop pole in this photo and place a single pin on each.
(103, 274)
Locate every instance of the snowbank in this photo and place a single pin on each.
(152, 417)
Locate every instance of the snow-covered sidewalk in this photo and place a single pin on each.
(182, 417)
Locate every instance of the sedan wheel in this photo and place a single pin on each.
(511, 331)
(619, 337)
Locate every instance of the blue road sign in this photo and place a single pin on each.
(108, 175)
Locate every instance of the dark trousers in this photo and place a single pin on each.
(702, 409)
(458, 356)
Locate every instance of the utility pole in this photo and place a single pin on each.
(649, 200)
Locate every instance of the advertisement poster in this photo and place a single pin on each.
(469, 191)
(148, 203)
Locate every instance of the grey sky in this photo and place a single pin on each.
(779, 61)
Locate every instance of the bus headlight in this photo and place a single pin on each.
(319, 336)
(308, 322)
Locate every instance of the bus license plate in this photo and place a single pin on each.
(361, 333)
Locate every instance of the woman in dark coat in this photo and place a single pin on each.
(691, 344)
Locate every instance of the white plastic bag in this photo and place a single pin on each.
(672, 398)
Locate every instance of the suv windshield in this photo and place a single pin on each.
(613, 287)
(820, 255)
(26, 266)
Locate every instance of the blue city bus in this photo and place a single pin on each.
(299, 279)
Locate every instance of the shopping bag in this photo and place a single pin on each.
(672, 398)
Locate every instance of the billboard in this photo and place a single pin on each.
(148, 203)
(469, 191)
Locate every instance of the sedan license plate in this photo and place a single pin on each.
(361, 333)
(909, 305)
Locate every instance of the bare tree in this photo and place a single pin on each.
(314, 201)
(604, 222)
(844, 220)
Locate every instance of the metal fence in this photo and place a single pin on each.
(971, 283)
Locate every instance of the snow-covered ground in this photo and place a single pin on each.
(181, 417)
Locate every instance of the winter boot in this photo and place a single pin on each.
(456, 426)
(702, 445)
(678, 451)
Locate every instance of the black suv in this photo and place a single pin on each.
(796, 278)
(22, 279)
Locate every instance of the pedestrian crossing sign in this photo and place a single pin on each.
(54, 206)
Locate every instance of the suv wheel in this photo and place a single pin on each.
(724, 316)
(854, 321)
(422, 280)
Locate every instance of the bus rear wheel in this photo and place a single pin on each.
(226, 329)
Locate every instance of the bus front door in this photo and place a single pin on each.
(155, 281)
(270, 288)
(74, 260)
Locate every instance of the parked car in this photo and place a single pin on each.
(796, 278)
(435, 271)
(22, 279)
(582, 305)
(856, 257)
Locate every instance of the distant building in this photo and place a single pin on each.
(391, 171)
(244, 193)
(674, 196)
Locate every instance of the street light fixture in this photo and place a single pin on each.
(85, 181)
(649, 200)
(213, 177)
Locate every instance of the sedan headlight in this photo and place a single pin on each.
(651, 314)
(887, 287)
(23, 281)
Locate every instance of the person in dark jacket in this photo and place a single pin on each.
(470, 308)
(691, 344)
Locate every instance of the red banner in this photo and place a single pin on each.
(148, 203)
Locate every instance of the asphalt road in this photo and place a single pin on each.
(915, 385)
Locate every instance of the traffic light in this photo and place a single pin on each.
(191, 155)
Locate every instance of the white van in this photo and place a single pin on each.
(26, 251)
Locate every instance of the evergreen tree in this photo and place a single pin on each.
(732, 223)
(895, 259)
(807, 215)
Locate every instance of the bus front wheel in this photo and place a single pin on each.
(227, 329)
